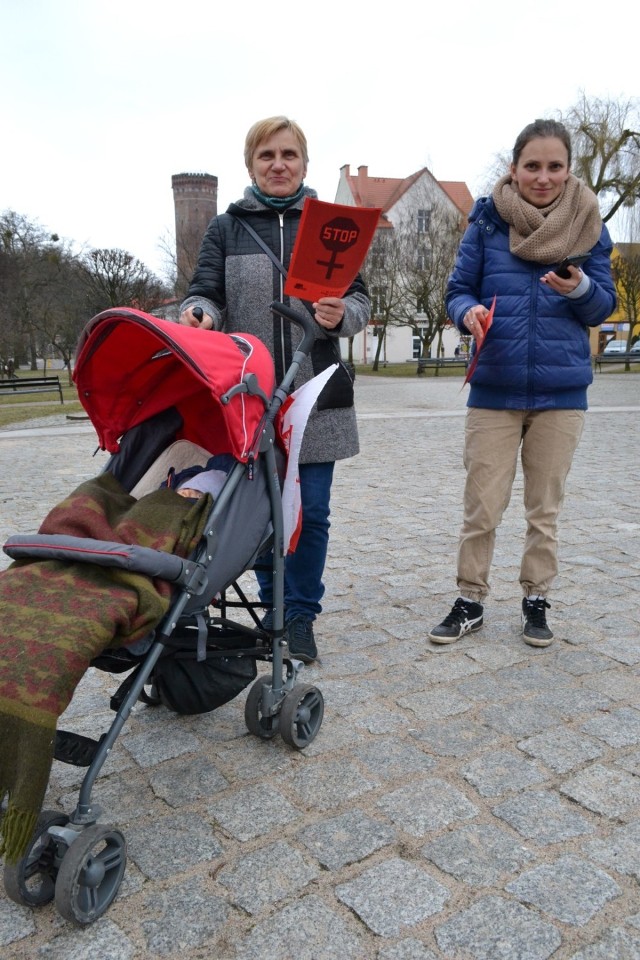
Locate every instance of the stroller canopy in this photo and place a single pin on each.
(130, 366)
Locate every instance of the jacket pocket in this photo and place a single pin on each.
(338, 391)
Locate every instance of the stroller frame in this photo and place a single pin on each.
(73, 859)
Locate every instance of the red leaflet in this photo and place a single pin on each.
(486, 325)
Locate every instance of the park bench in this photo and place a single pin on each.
(426, 363)
(619, 358)
(18, 385)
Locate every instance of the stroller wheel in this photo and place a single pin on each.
(260, 724)
(301, 715)
(90, 874)
(32, 880)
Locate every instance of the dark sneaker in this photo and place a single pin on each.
(465, 617)
(534, 622)
(299, 633)
(267, 621)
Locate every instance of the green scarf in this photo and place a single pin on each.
(278, 203)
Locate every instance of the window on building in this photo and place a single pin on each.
(378, 296)
(416, 347)
(424, 217)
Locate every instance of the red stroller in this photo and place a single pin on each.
(161, 394)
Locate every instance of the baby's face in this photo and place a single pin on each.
(190, 494)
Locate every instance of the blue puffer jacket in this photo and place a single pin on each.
(536, 355)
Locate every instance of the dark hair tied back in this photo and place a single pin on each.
(541, 128)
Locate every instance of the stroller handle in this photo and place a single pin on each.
(306, 322)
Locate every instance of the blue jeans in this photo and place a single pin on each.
(303, 570)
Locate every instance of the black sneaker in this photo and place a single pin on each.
(465, 617)
(534, 622)
(267, 621)
(299, 634)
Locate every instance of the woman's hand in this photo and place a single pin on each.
(561, 284)
(189, 319)
(474, 321)
(329, 312)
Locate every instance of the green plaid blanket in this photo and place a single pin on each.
(58, 615)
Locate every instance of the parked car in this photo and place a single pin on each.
(616, 346)
(635, 347)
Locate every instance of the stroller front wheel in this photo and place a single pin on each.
(301, 715)
(90, 874)
(258, 721)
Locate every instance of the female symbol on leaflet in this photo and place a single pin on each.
(337, 236)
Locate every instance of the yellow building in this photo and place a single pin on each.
(627, 313)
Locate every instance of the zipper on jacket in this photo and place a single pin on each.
(532, 338)
(283, 351)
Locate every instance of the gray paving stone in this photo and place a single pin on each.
(252, 812)
(408, 949)
(346, 839)
(180, 783)
(266, 876)
(619, 728)
(562, 750)
(301, 930)
(621, 648)
(379, 721)
(518, 719)
(457, 738)
(478, 854)
(500, 771)
(616, 944)
(435, 704)
(570, 890)
(148, 748)
(620, 850)
(16, 922)
(495, 929)
(618, 684)
(103, 939)
(392, 895)
(571, 703)
(389, 758)
(426, 805)
(604, 790)
(540, 815)
(181, 918)
(325, 785)
(630, 762)
(172, 845)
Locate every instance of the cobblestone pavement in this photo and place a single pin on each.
(476, 801)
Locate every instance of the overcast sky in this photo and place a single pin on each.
(103, 101)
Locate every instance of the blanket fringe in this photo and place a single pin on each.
(16, 830)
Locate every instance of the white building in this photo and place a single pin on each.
(415, 196)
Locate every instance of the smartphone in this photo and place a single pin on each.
(575, 261)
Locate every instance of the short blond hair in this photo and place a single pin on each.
(263, 129)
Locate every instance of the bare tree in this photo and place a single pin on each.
(30, 257)
(430, 249)
(606, 144)
(382, 273)
(115, 278)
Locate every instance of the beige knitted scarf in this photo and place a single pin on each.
(571, 224)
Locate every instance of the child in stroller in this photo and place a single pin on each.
(157, 394)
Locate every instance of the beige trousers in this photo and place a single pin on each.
(547, 440)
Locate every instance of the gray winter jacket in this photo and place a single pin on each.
(235, 282)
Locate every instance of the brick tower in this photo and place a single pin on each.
(195, 198)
